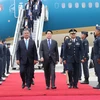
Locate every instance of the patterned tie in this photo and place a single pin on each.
(49, 43)
(26, 44)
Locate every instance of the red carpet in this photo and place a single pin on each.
(52, 98)
(12, 87)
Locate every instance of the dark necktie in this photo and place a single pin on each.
(49, 43)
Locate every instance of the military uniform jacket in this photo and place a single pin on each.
(85, 48)
(96, 48)
(73, 51)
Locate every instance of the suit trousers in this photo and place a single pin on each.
(73, 73)
(49, 71)
(26, 71)
(1, 65)
(8, 63)
(4, 64)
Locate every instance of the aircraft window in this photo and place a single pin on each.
(90, 4)
(76, 5)
(63, 5)
(97, 5)
(56, 5)
(83, 5)
(69, 5)
(8, 20)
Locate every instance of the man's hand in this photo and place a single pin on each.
(64, 61)
(85, 59)
(35, 61)
(42, 59)
(60, 60)
(18, 62)
(98, 60)
(56, 62)
(82, 61)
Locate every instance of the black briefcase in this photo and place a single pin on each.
(91, 65)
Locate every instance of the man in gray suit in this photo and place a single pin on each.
(49, 56)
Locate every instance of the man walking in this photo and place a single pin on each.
(72, 49)
(26, 58)
(49, 56)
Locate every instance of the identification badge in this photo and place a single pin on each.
(85, 43)
(77, 43)
(69, 43)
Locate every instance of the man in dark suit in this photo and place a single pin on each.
(1, 61)
(31, 22)
(49, 56)
(8, 57)
(4, 57)
(73, 49)
(40, 7)
(26, 58)
(27, 6)
(27, 23)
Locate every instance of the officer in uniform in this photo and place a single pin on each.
(96, 58)
(72, 49)
(1, 59)
(85, 43)
(80, 70)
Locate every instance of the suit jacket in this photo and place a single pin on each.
(62, 49)
(73, 50)
(8, 52)
(1, 51)
(46, 53)
(23, 54)
(29, 24)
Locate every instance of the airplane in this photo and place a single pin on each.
(63, 15)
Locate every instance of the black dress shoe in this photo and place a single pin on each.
(2, 79)
(47, 87)
(97, 87)
(85, 82)
(4, 75)
(79, 78)
(53, 87)
(23, 86)
(28, 88)
(63, 72)
(0, 83)
(32, 82)
(67, 83)
(70, 86)
(8, 73)
(75, 87)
